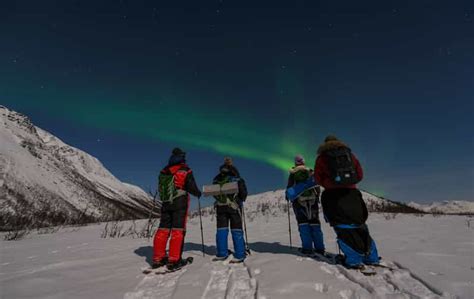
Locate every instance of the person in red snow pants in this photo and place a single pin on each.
(174, 212)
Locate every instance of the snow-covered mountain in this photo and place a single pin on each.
(457, 207)
(45, 181)
(274, 203)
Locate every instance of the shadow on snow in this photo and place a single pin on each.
(260, 247)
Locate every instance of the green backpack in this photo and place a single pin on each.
(225, 199)
(167, 188)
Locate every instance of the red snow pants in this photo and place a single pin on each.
(172, 222)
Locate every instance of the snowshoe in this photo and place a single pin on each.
(307, 252)
(382, 266)
(172, 267)
(236, 261)
(320, 252)
(155, 266)
(367, 271)
(160, 264)
(222, 258)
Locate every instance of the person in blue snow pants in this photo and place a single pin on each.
(306, 210)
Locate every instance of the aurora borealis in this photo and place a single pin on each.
(260, 82)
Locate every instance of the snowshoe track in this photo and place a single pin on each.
(225, 281)
(157, 286)
(393, 282)
(230, 281)
(235, 281)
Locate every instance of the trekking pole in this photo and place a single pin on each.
(247, 248)
(289, 223)
(150, 225)
(200, 220)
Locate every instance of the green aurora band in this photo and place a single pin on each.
(168, 120)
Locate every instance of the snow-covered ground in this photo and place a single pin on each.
(433, 257)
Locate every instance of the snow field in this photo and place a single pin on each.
(432, 257)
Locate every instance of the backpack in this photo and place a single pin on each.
(303, 175)
(167, 186)
(342, 167)
(226, 199)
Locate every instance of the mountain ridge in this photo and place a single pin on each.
(44, 181)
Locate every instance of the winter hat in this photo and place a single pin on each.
(178, 152)
(299, 160)
(330, 138)
(227, 161)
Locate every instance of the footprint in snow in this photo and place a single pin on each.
(346, 294)
(321, 287)
(327, 269)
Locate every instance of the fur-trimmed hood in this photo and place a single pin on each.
(329, 145)
(298, 168)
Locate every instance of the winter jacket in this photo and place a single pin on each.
(322, 174)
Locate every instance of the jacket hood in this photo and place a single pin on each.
(176, 159)
(329, 145)
(229, 169)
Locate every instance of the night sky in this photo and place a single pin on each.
(261, 81)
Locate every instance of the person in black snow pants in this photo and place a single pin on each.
(338, 170)
(306, 209)
(229, 211)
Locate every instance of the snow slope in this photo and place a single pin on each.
(43, 180)
(273, 203)
(457, 207)
(431, 256)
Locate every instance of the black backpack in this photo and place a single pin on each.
(342, 167)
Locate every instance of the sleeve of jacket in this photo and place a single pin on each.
(191, 186)
(242, 190)
(360, 172)
(291, 180)
(320, 171)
